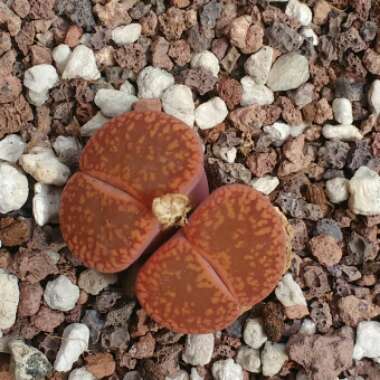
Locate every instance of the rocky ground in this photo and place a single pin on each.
(286, 97)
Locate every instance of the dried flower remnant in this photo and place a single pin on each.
(228, 257)
(106, 208)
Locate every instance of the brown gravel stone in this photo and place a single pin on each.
(172, 23)
(290, 113)
(180, 52)
(246, 35)
(5, 258)
(131, 57)
(323, 112)
(5, 42)
(41, 9)
(147, 105)
(15, 232)
(230, 90)
(7, 62)
(246, 118)
(149, 24)
(273, 319)
(73, 35)
(113, 13)
(10, 88)
(160, 58)
(47, 320)
(10, 19)
(261, 164)
(230, 60)
(30, 299)
(199, 79)
(40, 55)
(371, 61)
(25, 38)
(219, 47)
(321, 12)
(21, 7)
(144, 347)
(326, 250)
(100, 365)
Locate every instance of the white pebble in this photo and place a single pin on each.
(68, 149)
(258, 65)
(61, 55)
(289, 293)
(308, 327)
(308, 32)
(180, 375)
(364, 189)
(93, 282)
(341, 132)
(226, 153)
(289, 72)
(254, 334)
(177, 100)
(9, 295)
(255, 93)
(337, 189)
(194, 375)
(211, 113)
(249, 359)
(342, 109)
(279, 132)
(74, 342)
(81, 374)
(95, 123)
(198, 349)
(153, 81)
(132, 375)
(37, 98)
(11, 148)
(40, 78)
(265, 184)
(374, 96)
(127, 34)
(81, 64)
(227, 370)
(296, 130)
(14, 188)
(207, 60)
(61, 294)
(42, 164)
(114, 102)
(46, 203)
(273, 357)
(367, 343)
(300, 12)
(128, 87)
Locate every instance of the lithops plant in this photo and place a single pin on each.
(142, 171)
(229, 257)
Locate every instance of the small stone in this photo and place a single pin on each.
(11, 148)
(93, 124)
(230, 90)
(273, 320)
(307, 33)
(279, 132)
(160, 57)
(211, 113)
(353, 310)
(181, 375)
(337, 189)
(341, 132)
(265, 184)
(114, 102)
(127, 34)
(93, 282)
(68, 149)
(289, 72)
(326, 250)
(10, 88)
(308, 327)
(364, 188)
(14, 188)
(207, 60)
(258, 65)
(42, 164)
(249, 359)
(37, 98)
(28, 363)
(81, 374)
(246, 35)
(198, 349)
(289, 293)
(47, 320)
(10, 19)
(131, 57)
(199, 79)
(5, 42)
(73, 36)
(153, 81)
(227, 370)
(321, 12)
(342, 109)
(9, 295)
(81, 64)
(180, 52)
(194, 375)
(61, 55)
(300, 11)
(177, 100)
(273, 357)
(61, 294)
(101, 364)
(74, 342)
(367, 344)
(374, 96)
(46, 204)
(283, 38)
(255, 93)
(14, 232)
(371, 61)
(254, 334)
(30, 299)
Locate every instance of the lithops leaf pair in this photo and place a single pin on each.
(227, 257)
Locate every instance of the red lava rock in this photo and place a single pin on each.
(41, 9)
(5, 42)
(113, 13)
(160, 58)
(321, 12)
(371, 61)
(30, 299)
(143, 348)
(248, 118)
(15, 232)
(47, 320)
(143, 105)
(10, 19)
(21, 7)
(149, 24)
(353, 310)
(40, 55)
(219, 47)
(180, 3)
(230, 90)
(131, 57)
(326, 250)
(199, 79)
(261, 164)
(172, 23)
(5, 258)
(290, 113)
(323, 357)
(316, 282)
(73, 35)
(273, 319)
(10, 89)
(323, 112)
(100, 364)
(180, 52)
(321, 315)
(246, 35)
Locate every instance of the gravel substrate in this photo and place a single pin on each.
(286, 98)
